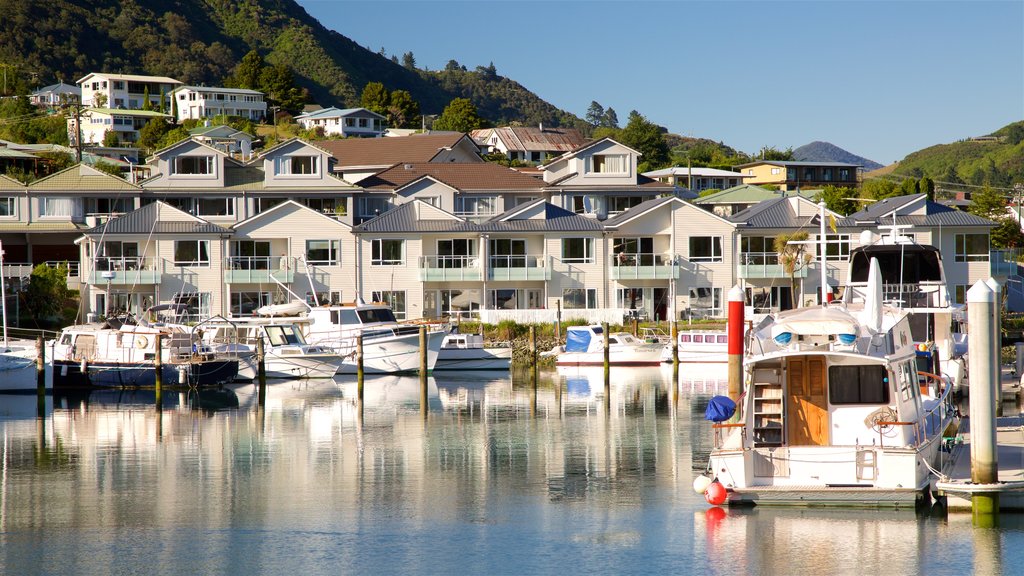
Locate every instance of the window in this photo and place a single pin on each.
(456, 253)
(350, 122)
(213, 207)
(758, 250)
(508, 253)
(370, 207)
(706, 301)
(619, 204)
(60, 207)
(608, 164)
(451, 302)
(960, 293)
(264, 204)
(837, 247)
(767, 300)
(292, 165)
(196, 306)
(362, 123)
(191, 252)
(329, 297)
(858, 385)
(7, 206)
(475, 205)
(250, 255)
(194, 165)
(387, 252)
(775, 171)
(634, 252)
(971, 248)
(578, 250)
(705, 249)
(844, 174)
(579, 298)
(393, 298)
(245, 303)
(323, 252)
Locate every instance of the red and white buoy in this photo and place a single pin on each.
(734, 332)
(715, 494)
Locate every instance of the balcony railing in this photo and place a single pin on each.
(1004, 263)
(124, 270)
(765, 265)
(450, 268)
(258, 269)
(643, 266)
(519, 267)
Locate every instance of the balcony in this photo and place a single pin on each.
(258, 270)
(1003, 263)
(643, 266)
(450, 269)
(519, 267)
(130, 270)
(765, 265)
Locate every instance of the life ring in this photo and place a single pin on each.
(141, 342)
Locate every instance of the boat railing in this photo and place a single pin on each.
(943, 405)
(721, 428)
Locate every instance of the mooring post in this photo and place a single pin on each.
(158, 368)
(734, 335)
(40, 377)
(261, 373)
(997, 342)
(359, 367)
(984, 466)
(424, 408)
(533, 353)
(636, 327)
(607, 359)
(675, 342)
(558, 323)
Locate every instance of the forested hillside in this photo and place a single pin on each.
(995, 160)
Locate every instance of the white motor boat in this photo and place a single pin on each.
(467, 352)
(833, 412)
(18, 368)
(584, 346)
(707, 346)
(286, 353)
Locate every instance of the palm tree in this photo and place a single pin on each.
(794, 257)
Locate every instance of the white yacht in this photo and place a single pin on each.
(467, 352)
(584, 346)
(286, 353)
(833, 411)
(701, 346)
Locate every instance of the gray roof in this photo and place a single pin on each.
(875, 210)
(935, 214)
(145, 221)
(774, 213)
(403, 219)
(638, 209)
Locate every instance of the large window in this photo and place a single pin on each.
(705, 249)
(634, 252)
(619, 204)
(191, 252)
(7, 206)
(323, 252)
(508, 253)
(971, 248)
(214, 207)
(60, 207)
(451, 302)
(579, 298)
(194, 165)
(393, 298)
(387, 252)
(475, 205)
(323, 298)
(758, 250)
(370, 207)
(858, 385)
(705, 301)
(837, 247)
(245, 303)
(578, 250)
(296, 165)
(456, 253)
(195, 306)
(608, 164)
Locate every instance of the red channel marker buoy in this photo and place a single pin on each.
(715, 494)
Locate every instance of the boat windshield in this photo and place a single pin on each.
(283, 335)
(371, 315)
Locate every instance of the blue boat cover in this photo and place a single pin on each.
(577, 340)
(720, 409)
(577, 386)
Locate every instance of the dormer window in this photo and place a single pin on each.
(608, 164)
(193, 165)
(292, 165)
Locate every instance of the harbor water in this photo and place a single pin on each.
(484, 474)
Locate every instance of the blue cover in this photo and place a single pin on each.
(720, 409)
(577, 340)
(577, 386)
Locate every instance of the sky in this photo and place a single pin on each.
(880, 79)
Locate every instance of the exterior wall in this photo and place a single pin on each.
(391, 278)
(169, 179)
(277, 176)
(566, 275)
(336, 124)
(585, 176)
(196, 104)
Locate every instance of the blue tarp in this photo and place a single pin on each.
(720, 409)
(577, 340)
(577, 386)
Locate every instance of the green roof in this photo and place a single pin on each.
(749, 194)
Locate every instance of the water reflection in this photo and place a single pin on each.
(505, 473)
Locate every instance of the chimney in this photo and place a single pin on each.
(541, 126)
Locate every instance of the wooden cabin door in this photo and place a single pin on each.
(806, 402)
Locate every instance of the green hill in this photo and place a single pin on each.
(996, 159)
(200, 41)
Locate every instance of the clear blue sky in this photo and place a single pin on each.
(880, 79)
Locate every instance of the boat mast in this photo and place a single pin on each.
(3, 293)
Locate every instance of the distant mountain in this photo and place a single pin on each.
(996, 159)
(818, 151)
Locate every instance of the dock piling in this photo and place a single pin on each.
(359, 367)
(158, 367)
(261, 373)
(424, 408)
(981, 315)
(735, 339)
(997, 342)
(40, 377)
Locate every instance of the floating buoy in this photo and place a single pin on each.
(701, 483)
(714, 516)
(715, 494)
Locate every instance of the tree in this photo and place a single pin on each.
(278, 83)
(927, 187)
(595, 113)
(838, 199)
(47, 294)
(110, 138)
(375, 98)
(1015, 133)
(153, 132)
(409, 61)
(648, 139)
(611, 119)
(453, 66)
(109, 168)
(403, 111)
(793, 257)
(878, 189)
(459, 115)
(990, 204)
(247, 73)
(773, 153)
(146, 104)
(908, 187)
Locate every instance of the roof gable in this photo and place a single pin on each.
(588, 146)
(82, 178)
(157, 218)
(8, 183)
(187, 145)
(787, 212)
(749, 194)
(283, 210)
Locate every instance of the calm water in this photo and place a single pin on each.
(493, 479)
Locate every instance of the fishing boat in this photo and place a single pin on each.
(467, 352)
(286, 352)
(584, 346)
(834, 412)
(121, 352)
(707, 346)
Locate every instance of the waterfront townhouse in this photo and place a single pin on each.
(199, 102)
(358, 122)
(527, 143)
(126, 91)
(359, 158)
(793, 175)
(600, 179)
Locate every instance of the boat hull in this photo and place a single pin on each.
(67, 374)
(474, 359)
(391, 354)
(644, 357)
(305, 366)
